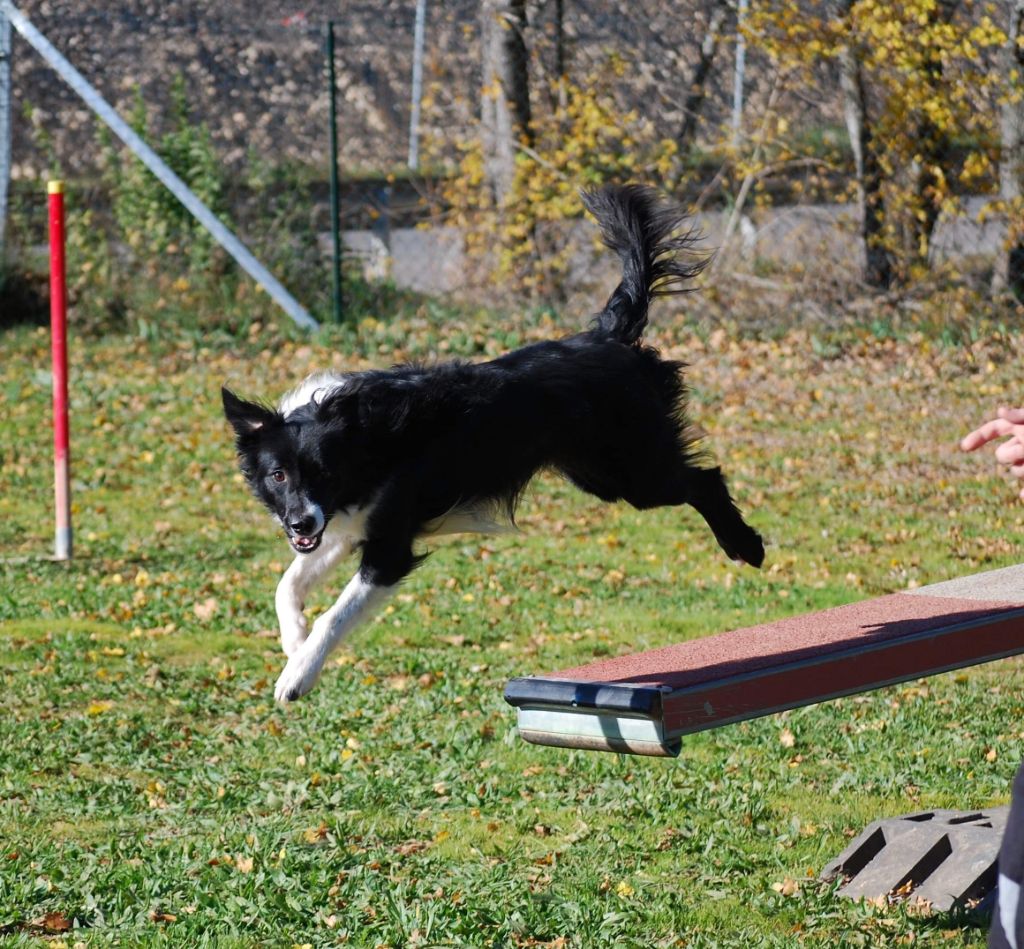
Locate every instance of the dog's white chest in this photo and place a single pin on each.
(466, 521)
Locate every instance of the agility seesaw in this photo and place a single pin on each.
(643, 704)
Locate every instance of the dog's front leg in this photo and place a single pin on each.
(383, 566)
(305, 571)
(358, 600)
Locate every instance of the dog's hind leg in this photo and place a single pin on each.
(304, 573)
(705, 490)
(708, 493)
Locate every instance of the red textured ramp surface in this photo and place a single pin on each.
(642, 703)
(810, 636)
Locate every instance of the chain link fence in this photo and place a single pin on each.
(254, 75)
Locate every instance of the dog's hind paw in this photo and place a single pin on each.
(753, 551)
(298, 677)
(742, 544)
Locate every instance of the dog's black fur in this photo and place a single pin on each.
(413, 444)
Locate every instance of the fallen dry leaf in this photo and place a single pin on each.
(314, 834)
(53, 923)
(206, 609)
(788, 887)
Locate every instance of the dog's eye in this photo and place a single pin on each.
(278, 475)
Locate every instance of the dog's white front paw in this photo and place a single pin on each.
(293, 632)
(299, 676)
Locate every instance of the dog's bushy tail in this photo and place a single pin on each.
(638, 223)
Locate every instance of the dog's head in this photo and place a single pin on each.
(282, 458)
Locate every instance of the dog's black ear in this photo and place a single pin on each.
(246, 418)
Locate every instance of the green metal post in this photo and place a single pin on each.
(335, 197)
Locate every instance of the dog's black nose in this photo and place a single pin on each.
(303, 525)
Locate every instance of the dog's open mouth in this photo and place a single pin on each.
(305, 544)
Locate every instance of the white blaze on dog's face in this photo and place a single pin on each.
(292, 489)
(303, 521)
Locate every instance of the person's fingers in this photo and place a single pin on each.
(1011, 415)
(1010, 452)
(996, 428)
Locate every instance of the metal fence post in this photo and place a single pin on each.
(417, 84)
(5, 121)
(335, 197)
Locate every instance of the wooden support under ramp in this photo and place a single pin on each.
(644, 703)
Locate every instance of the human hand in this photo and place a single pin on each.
(1009, 422)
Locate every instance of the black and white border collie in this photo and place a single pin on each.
(371, 461)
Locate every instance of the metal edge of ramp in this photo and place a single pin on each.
(591, 716)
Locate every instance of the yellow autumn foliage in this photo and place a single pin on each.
(581, 139)
(931, 86)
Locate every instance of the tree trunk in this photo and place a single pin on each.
(697, 86)
(1009, 271)
(878, 268)
(505, 99)
(933, 144)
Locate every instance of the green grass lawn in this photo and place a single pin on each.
(151, 792)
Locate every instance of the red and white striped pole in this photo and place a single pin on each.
(59, 350)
